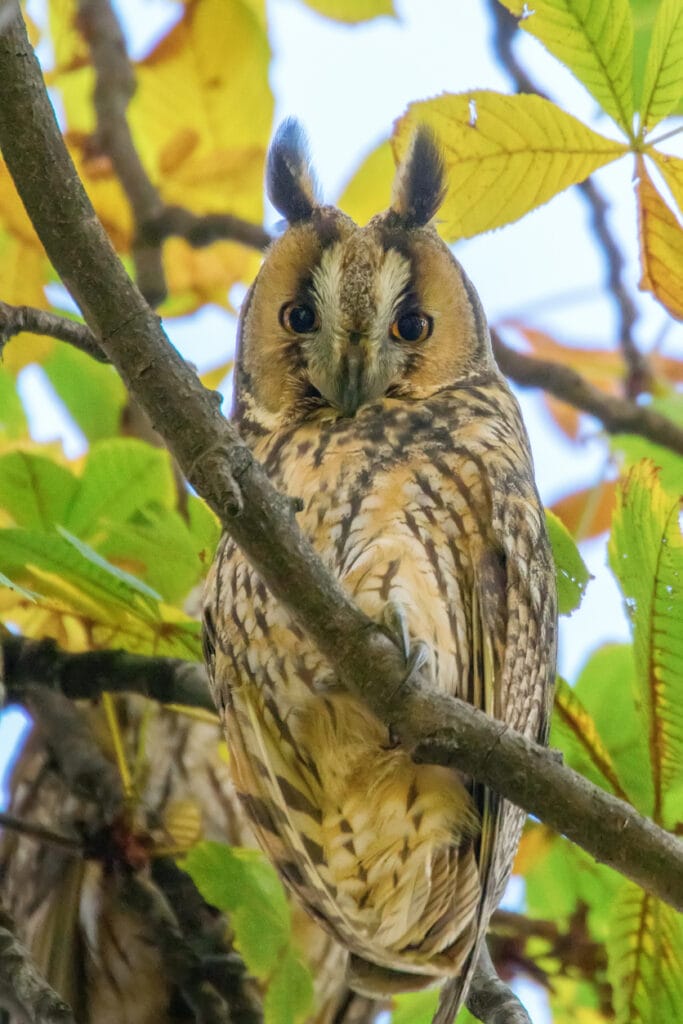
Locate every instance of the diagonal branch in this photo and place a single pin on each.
(224, 472)
(490, 999)
(617, 415)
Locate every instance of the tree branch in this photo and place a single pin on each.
(490, 999)
(224, 472)
(87, 676)
(638, 372)
(14, 319)
(201, 231)
(617, 415)
(22, 989)
(114, 89)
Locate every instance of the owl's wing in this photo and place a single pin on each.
(513, 657)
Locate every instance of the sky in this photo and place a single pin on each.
(347, 85)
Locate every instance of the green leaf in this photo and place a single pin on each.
(594, 38)
(608, 689)
(646, 555)
(92, 556)
(122, 476)
(634, 448)
(34, 490)
(143, 545)
(572, 574)
(93, 393)
(5, 581)
(352, 11)
(645, 958)
(663, 81)
(85, 605)
(243, 883)
(575, 733)
(415, 1007)
(13, 422)
(565, 877)
(289, 997)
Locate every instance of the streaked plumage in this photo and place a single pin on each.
(367, 387)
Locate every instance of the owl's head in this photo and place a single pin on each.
(341, 316)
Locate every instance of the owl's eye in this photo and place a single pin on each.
(299, 319)
(412, 327)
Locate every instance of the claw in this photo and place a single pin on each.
(416, 653)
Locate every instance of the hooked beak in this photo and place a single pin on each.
(351, 369)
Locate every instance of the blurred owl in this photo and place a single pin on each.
(366, 386)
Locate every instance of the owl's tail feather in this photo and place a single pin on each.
(376, 982)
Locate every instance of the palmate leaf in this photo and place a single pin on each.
(85, 604)
(93, 393)
(663, 83)
(646, 555)
(609, 691)
(504, 155)
(645, 957)
(575, 733)
(594, 38)
(244, 884)
(661, 246)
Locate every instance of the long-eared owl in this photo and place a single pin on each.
(367, 387)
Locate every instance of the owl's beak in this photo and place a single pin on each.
(351, 393)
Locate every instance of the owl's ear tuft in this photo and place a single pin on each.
(290, 181)
(419, 186)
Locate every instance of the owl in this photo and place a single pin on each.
(366, 385)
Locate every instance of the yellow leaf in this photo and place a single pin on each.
(536, 843)
(671, 168)
(182, 821)
(199, 276)
(594, 38)
(351, 11)
(212, 378)
(202, 113)
(582, 738)
(663, 84)
(505, 155)
(369, 190)
(661, 246)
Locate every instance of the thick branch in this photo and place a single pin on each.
(638, 375)
(224, 472)
(22, 990)
(14, 319)
(617, 415)
(86, 676)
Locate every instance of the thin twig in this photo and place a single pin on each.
(224, 472)
(41, 834)
(14, 319)
(638, 376)
(114, 89)
(87, 675)
(617, 415)
(201, 231)
(22, 989)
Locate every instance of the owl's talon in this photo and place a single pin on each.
(415, 652)
(396, 624)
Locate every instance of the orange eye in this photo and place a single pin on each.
(298, 318)
(412, 327)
